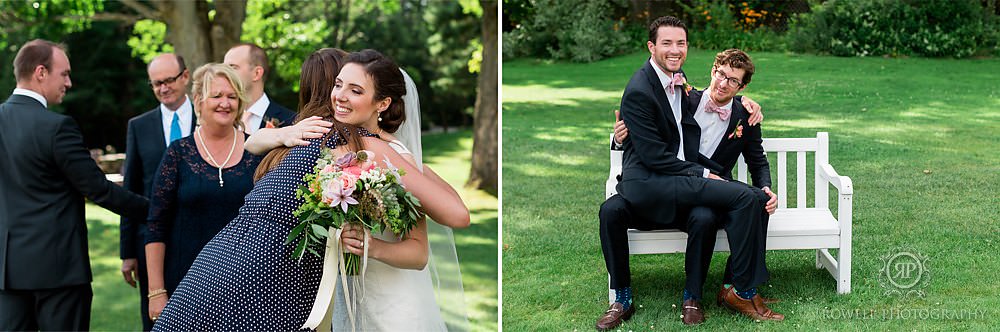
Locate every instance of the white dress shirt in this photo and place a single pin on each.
(675, 104)
(255, 114)
(712, 127)
(184, 115)
(32, 94)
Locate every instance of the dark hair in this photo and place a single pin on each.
(319, 72)
(665, 21)
(34, 53)
(737, 60)
(257, 57)
(388, 82)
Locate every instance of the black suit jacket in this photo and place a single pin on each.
(729, 150)
(274, 111)
(45, 173)
(144, 147)
(650, 163)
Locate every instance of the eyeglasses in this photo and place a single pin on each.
(157, 84)
(732, 81)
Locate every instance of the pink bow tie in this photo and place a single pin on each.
(723, 112)
(678, 79)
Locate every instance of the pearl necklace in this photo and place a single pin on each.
(212, 159)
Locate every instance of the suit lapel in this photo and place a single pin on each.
(154, 124)
(194, 121)
(736, 117)
(660, 95)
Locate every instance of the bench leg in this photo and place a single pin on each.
(844, 269)
(819, 263)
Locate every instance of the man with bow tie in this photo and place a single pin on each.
(666, 183)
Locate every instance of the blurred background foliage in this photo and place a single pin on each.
(590, 30)
(109, 44)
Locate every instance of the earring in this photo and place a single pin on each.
(379, 116)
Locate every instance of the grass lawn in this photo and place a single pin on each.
(116, 305)
(918, 137)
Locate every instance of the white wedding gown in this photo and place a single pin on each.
(393, 299)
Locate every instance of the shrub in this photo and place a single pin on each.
(716, 25)
(888, 27)
(577, 30)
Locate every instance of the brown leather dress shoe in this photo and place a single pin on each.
(722, 293)
(692, 313)
(614, 316)
(753, 308)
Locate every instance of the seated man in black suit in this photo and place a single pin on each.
(724, 139)
(662, 185)
(46, 173)
(250, 62)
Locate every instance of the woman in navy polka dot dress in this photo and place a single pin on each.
(245, 278)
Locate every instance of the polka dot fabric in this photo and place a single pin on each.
(245, 278)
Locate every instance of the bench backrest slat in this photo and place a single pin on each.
(781, 146)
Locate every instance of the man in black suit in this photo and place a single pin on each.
(661, 184)
(148, 136)
(250, 62)
(725, 135)
(47, 171)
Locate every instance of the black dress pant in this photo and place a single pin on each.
(55, 309)
(733, 201)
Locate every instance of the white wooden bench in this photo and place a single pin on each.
(798, 227)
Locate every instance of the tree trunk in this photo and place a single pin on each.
(194, 37)
(227, 27)
(484, 145)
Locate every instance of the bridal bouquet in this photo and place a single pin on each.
(351, 189)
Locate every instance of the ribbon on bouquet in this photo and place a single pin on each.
(333, 260)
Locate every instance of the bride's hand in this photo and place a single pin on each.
(308, 128)
(353, 237)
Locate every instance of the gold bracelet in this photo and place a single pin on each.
(156, 292)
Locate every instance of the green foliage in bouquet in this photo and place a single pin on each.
(351, 189)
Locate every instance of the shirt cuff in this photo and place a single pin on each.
(705, 173)
(617, 146)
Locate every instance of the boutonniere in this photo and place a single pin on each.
(687, 88)
(739, 130)
(272, 123)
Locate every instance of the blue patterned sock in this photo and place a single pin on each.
(624, 296)
(747, 294)
(688, 295)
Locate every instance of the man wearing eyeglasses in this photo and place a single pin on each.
(666, 183)
(250, 62)
(148, 136)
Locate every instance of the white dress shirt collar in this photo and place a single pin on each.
(255, 114)
(37, 96)
(674, 99)
(713, 128)
(184, 116)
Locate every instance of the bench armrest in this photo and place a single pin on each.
(842, 183)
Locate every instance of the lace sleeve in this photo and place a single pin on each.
(163, 199)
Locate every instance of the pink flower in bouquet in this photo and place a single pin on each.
(335, 193)
(354, 170)
(327, 169)
(349, 180)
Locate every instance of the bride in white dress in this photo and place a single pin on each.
(394, 299)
